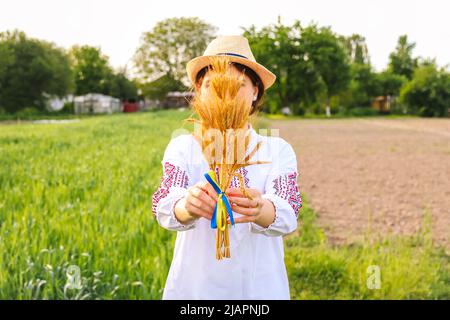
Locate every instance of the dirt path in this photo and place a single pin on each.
(391, 170)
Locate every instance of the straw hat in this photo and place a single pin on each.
(238, 49)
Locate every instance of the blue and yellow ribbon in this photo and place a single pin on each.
(219, 218)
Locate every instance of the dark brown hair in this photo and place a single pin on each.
(256, 80)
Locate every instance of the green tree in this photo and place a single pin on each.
(279, 48)
(91, 70)
(364, 86)
(310, 63)
(329, 57)
(428, 92)
(391, 83)
(356, 49)
(121, 87)
(401, 60)
(29, 69)
(167, 48)
(159, 88)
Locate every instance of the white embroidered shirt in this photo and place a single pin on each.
(256, 269)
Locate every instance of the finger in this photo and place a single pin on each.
(244, 202)
(253, 192)
(245, 211)
(238, 192)
(244, 219)
(197, 203)
(193, 210)
(210, 190)
(201, 196)
(234, 192)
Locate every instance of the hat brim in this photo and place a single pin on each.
(198, 63)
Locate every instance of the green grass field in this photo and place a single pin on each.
(79, 194)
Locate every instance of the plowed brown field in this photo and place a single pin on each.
(391, 170)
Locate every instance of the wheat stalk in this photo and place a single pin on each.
(223, 136)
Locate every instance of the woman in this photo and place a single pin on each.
(185, 201)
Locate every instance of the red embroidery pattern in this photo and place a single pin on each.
(173, 176)
(286, 187)
(235, 181)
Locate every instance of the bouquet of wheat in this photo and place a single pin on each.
(224, 139)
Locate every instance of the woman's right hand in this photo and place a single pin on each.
(199, 201)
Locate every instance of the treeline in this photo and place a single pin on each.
(319, 68)
(316, 69)
(33, 70)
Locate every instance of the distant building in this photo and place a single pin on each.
(383, 103)
(286, 111)
(130, 106)
(177, 99)
(96, 103)
(150, 104)
(55, 103)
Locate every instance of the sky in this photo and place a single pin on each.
(116, 26)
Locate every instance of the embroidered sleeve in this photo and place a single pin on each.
(283, 192)
(173, 186)
(286, 187)
(173, 176)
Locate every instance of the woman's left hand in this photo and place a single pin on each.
(251, 209)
